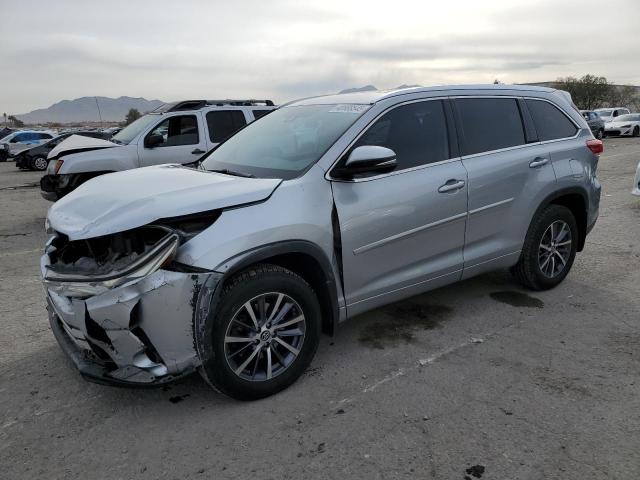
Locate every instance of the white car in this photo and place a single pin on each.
(636, 183)
(611, 114)
(180, 132)
(21, 140)
(624, 125)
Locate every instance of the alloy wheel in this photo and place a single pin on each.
(40, 163)
(264, 337)
(555, 249)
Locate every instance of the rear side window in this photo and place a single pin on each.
(260, 113)
(490, 124)
(224, 123)
(550, 122)
(178, 130)
(416, 132)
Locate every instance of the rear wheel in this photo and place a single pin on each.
(265, 333)
(39, 163)
(549, 249)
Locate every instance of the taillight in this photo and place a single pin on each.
(58, 166)
(596, 146)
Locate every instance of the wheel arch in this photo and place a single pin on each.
(301, 257)
(576, 200)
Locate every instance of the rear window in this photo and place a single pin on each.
(224, 123)
(490, 124)
(550, 122)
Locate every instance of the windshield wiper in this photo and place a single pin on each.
(226, 171)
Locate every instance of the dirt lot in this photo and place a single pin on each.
(479, 379)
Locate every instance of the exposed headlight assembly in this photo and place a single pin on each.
(73, 284)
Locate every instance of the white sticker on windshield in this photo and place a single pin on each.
(348, 108)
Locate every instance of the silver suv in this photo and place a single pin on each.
(315, 213)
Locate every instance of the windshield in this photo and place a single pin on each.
(628, 118)
(604, 113)
(285, 142)
(131, 131)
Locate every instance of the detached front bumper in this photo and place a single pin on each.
(139, 334)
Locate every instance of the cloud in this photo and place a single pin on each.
(284, 49)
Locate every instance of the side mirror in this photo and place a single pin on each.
(153, 140)
(369, 159)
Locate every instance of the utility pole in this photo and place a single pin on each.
(97, 105)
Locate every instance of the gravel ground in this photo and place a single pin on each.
(478, 379)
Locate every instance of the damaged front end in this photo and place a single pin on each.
(121, 307)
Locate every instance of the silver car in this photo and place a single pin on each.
(321, 210)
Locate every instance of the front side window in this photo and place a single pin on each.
(177, 131)
(551, 123)
(286, 142)
(416, 132)
(490, 124)
(131, 131)
(224, 123)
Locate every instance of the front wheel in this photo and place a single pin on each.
(549, 249)
(265, 333)
(39, 163)
(600, 134)
(636, 132)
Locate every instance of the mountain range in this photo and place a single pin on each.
(85, 109)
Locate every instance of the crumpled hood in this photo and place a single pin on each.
(124, 200)
(78, 143)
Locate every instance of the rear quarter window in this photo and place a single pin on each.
(550, 122)
(489, 124)
(224, 123)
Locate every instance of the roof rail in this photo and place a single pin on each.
(198, 104)
(240, 103)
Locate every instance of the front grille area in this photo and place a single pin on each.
(613, 132)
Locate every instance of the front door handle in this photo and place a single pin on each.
(451, 185)
(538, 162)
(197, 151)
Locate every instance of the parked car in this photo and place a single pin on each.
(23, 139)
(595, 122)
(324, 209)
(36, 158)
(610, 114)
(4, 131)
(624, 125)
(174, 133)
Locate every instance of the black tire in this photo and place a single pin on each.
(36, 164)
(636, 131)
(528, 271)
(600, 134)
(255, 281)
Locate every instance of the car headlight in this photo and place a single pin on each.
(72, 284)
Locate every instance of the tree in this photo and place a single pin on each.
(588, 92)
(5, 118)
(132, 116)
(15, 121)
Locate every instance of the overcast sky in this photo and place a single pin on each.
(283, 49)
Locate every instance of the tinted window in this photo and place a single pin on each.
(179, 130)
(224, 123)
(490, 124)
(550, 122)
(416, 132)
(260, 113)
(44, 136)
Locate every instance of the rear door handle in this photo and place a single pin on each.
(451, 185)
(538, 162)
(197, 151)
